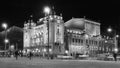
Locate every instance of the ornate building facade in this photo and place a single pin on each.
(76, 36)
(36, 35)
(82, 36)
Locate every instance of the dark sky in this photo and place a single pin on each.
(15, 12)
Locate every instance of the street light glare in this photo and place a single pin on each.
(47, 10)
(109, 30)
(116, 50)
(6, 40)
(4, 25)
(117, 36)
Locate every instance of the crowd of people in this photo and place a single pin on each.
(30, 54)
(18, 53)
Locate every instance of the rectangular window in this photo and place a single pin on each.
(96, 42)
(89, 41)
(99, 48)
(81, 41)
(109, 49)
(103, 48)
(73, 40)
(59, 48)
(93, 42)
(86, 41)
(76, 40)
(99, 42)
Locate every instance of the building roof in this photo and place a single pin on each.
(12, 29)
(76, 23)
(79, 23)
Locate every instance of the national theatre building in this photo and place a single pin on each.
(76, 36)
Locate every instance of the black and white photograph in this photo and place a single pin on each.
(59, 34)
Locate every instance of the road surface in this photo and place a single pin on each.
(44, 63)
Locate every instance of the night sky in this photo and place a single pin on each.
(15, 12)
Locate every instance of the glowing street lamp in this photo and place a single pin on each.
(50, 50)
(116, 50)
(47, 10)
(66, 51)
(6, 41)
(117, 36)
(106, 41)
(109, 29)
(44, 50)
(4, 25)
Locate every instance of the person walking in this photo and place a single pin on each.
(30, 55)
(115, 56)
(16, 54)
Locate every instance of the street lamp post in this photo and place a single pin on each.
(47, 13)
(4, 25)
(47, 10)
(6, 41)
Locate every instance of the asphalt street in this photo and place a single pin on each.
(44, 63)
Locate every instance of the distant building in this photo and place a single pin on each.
(14, 36)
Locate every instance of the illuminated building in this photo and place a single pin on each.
(36, 35)
(106, 46)
(82, 36)
(76, 36)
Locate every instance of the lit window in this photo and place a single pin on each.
(109, 49)
(67, 30)
(70, 31)
(103, 49)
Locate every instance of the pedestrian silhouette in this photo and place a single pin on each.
(16, 54)
(30, 55)
(115, 56)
